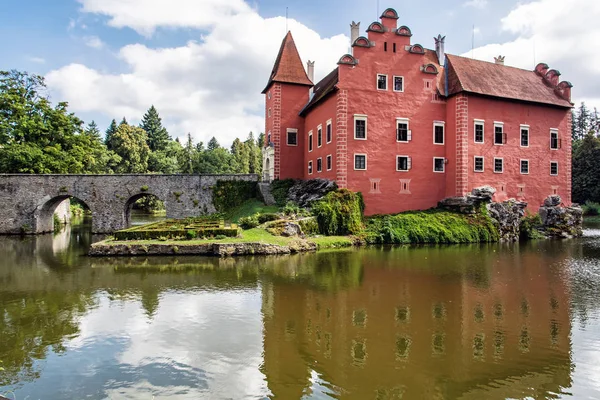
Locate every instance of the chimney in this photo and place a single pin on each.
(354, 32)
(439, 48)
(310, 68)
(499, 60)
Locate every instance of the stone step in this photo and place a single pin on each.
(264, 190)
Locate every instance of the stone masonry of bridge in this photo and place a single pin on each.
(29, 201)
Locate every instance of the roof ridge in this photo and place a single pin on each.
(492, 63)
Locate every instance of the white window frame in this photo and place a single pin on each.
(482, 164)
(321, 159)
(394, 84)
(310, 168)
(501, 125)
(557, 168)
(482, 123)
(443, 125)
(361, 117)
(386, 82)
(502, 159)
(269, 95)
(443, 165)
(311, 145)
(320, 128)
(521, 129)
(329, 161)
(287, 136)
(408, 163)
(554, 130)
(354, 161)
(329, 125)
(521, 166)
(408, 131)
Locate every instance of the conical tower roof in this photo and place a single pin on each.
(288, 67)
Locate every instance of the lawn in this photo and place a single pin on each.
(249, 207)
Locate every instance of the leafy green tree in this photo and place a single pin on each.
(123, 122)
(166, 161)
(213, 144)
(188, 156)
(586, 170)
(158, 137)
(110, 132)
(255, 153)
(130, 143)
(240, 154)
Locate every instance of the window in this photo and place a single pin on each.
(479, 131)
(398, 84)
(292, 137)
(403, 163)
(498, 165)
(360, 161)
(269, 95)
(524, 135)
(402, 132)
(319, 164)
(360, 127)
(320, 136)
(479, 164)
(375, 186)
(310, 141)
(438, 164)
(310, 171)
(524, 167)
(394, 47)
(328, 132)
(553, 168)
(269, 139)
(329, 163)
(554, 141)
(405, 186)
(499, 138)
(381, 82)
(384, 46)
(438, 133)
(521, 190)
(269, 113)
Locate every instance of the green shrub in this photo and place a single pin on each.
(530, 227)
(432, 226)
(591, 208)
(267, 217)
(249, 222)
(220, 237)
(280, 190)
(231, 194)
(191, 234)
(291, 208)
(309, 225)
(339, 213)
(144, 188)
(57, 223)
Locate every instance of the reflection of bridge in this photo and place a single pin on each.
(30, 200)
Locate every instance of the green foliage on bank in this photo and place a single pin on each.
(591, 209)
(432, 227)
(340, 212)
(228, 195)
(530, 227)
(280, 190)
(248, 208)
(180, 229)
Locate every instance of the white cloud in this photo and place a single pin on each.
(481, 4)
(207, 87)
(144, 16)
(93, 41)
(561, 34)
(37, 60)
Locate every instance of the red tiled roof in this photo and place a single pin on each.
(288, 66)
(322, 89)
(481, 77)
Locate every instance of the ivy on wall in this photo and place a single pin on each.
(231, 194)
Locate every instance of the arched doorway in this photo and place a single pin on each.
(57, 212)
(143, 208)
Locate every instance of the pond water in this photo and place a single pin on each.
(457, 322)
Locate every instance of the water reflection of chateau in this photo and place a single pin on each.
(449, 323)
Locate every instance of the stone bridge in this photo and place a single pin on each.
(27, 202)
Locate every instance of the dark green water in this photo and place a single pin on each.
(461, 322)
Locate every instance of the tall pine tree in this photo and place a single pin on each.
(158, 137)
(110, 133)
(92, 130)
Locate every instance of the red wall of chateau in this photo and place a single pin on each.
(320, 116)
(538, 183)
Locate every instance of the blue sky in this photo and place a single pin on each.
(114, 58)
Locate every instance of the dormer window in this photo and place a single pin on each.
(381, 82)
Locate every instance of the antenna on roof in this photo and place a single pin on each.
(473, 43)
(286, 20)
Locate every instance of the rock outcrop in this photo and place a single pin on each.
(507, 216)
(470, 203)
(560, 222)
(305, 192)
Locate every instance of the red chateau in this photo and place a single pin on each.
(408, 126)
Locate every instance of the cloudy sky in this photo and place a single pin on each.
(203, 63)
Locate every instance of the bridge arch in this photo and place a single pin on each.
(44, 216)
(133, 199)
